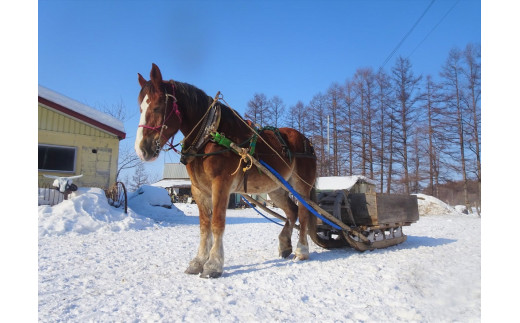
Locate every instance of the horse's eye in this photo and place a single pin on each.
(157, 110)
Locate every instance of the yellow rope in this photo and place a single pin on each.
(244, 156)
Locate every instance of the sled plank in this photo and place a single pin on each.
(378, 209)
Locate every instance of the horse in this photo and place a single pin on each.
(167, 107)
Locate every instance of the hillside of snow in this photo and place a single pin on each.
(97, 263)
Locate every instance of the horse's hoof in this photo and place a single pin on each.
(285, 253)
(213, 274)
(300, 257)
(193, 269)
(302, 252)
(190, 271)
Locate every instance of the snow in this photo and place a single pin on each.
(429, 205)
(173, 183)
(80, 108)
(98, 264)
(340, 182)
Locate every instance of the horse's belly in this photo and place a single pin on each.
(255, 183)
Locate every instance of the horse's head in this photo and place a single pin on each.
(160, 116)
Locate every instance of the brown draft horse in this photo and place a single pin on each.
(168, 107)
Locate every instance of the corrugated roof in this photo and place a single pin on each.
(175, 171)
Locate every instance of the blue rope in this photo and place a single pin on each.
(254, 208)
(302, 201)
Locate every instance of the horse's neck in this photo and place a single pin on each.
(194, 104)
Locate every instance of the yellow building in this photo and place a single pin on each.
(75, 139)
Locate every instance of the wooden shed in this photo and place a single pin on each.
(75, 139)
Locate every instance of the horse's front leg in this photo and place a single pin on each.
(206, 240)
(214, 267)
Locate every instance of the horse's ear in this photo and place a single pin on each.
(141, 79)
(155, 76)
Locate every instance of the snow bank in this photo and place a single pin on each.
(150, 196)
(87, 210)
(429, 205)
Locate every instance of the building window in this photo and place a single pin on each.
(56, 158)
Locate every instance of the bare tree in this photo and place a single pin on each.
(432, 98)
(349, 98)
(117, 110)
(406, 88)
(334, 104)
(472, 73)
(127, 159)
(384, 102)
(275, 111)
(257, 109)
(318, 131)
(139, 178)
(364, 81)
(299, 117)
(452, 73)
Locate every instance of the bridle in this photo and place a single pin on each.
(175, 108)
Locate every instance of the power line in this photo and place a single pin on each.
(435, 27)
(406, 36)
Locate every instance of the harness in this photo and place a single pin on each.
(210, 122)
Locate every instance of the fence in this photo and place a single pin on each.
(48, 195)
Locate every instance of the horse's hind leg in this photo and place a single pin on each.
(281, 199)
(302, 248)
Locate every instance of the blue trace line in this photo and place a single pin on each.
(254, 208)
(302, 201)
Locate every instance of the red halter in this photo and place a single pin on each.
(175, 108)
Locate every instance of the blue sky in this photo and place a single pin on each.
(92, 51)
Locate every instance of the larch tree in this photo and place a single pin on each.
(383, 98)
(275, 111)
(406, 88)
(349, 98)
(318, 123)
(334, 105)
(257, 109)
(432, 100)
(472, 74)
(364, 81)
(452, 73)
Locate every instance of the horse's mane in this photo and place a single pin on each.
(199, 99)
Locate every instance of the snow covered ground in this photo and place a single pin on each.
(96, 263)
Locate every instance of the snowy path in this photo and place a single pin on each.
(138, 276)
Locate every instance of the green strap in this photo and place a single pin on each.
(221, 139)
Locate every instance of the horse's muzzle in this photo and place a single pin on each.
(148, 149)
